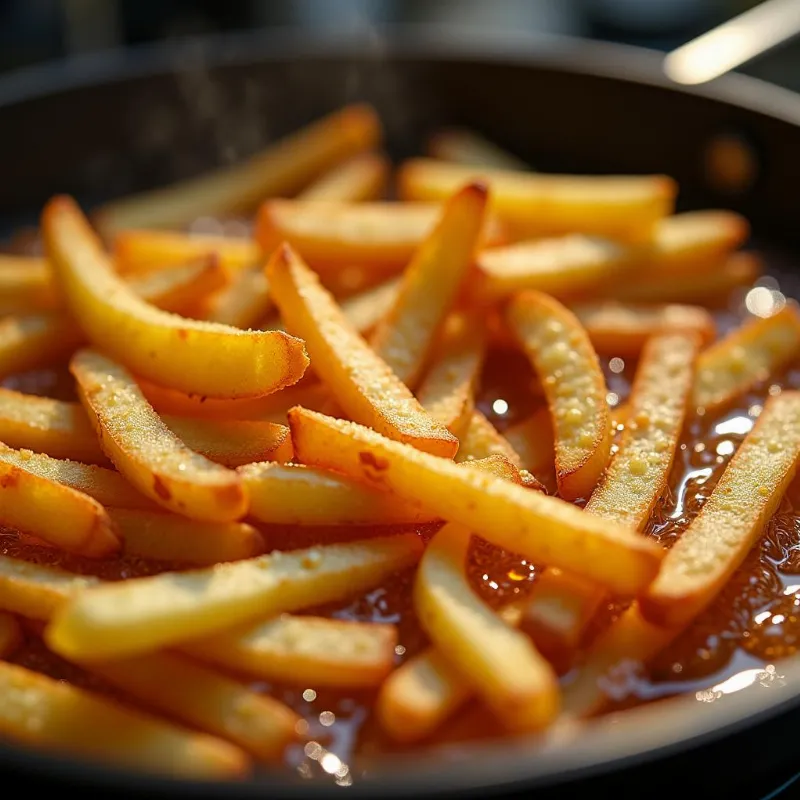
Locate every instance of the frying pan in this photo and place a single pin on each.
(102, 126)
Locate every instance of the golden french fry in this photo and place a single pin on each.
(378, 236)
(463, 146)
(186, 354)
(709, 286)
(233, 442)
(55, 513)
(619, 329)
(31, 341)
(731, 520)
(282, 168)
(501, 664)
(545, 529)
(244, 302)
(10, 635)
(109, 488)
(134, 616)
(747, 355)
(481, 440)
(26, 285)
(146, 451)
(174, 539)
(405, 336)
(361, 178)
(291, 494)
(447, 390)
(181, 287)
(143, 251)
(360, 381)
(366, 309)
(532, 439)
(200, 697)
(573, 382)
(620, 207)
(304, 650)
(52, 715)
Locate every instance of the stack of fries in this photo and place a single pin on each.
(324, 373)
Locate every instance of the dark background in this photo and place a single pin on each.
(38, 30)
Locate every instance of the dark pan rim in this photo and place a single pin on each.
(609, 744)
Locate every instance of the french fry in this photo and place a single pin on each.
(561, 605)
(545, 529)
(186, 354)
(405, 336)
(447, 391)
(146, 451)
(618, 329)
(366, 309)
(532, 440)
(573, 382)
(131, 617)
(143, 251)
(731, 520)
(52, 715)
(380, 236)
(292, 494)
(282, 168)
(10, 635)
(109, 488)
(620, 207)
(200, 697)
(181, 287)
(360, 381)
(481, 440)
(502, 665)
(174, 539)
(361, 178)
(55, 513)
(304, 650)
(30, 341)
(244, 302)
(463, 146)
(747, 355)
(26, 285)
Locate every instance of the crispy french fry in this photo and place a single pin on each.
(360, 381)
(291, 494)
(52, 715)
(134, 616)
(447, 391)
(747, 355)
(35, 340)
(146, 451)
(143, 251)
(464, 146)
(180, 288)
(405, 336)
(283, 167)
(109, 488)
(55, 513)
(26, 285)
(244, 302)
(731, 520)
(361, 178)
(620, 207)
(532, 440)
(570, 373)
(545, 529)
(168, 537)
(618, 329)
(10, 635)
(502, 665)
(379, 236)
(199, 696)
(191, 356)
(481, 440)
(304, 650)
(366, 309)
(561, 605)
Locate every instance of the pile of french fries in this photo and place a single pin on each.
(324, 373)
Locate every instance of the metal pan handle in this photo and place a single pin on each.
(734, 43)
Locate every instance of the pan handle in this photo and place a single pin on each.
(734, 43)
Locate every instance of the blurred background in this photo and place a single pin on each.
(36, 30)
